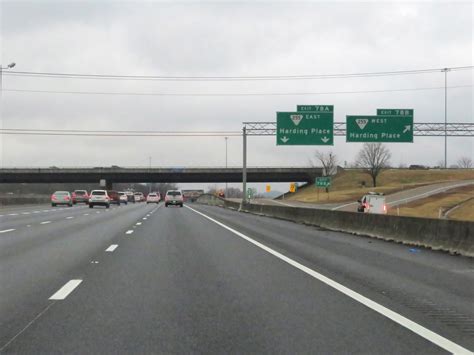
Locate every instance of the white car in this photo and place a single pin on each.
(123, 197)
(99, 198)
(139, 197)
(373, 202)
(174, 197)
(152, 197)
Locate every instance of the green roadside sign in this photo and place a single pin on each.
(389, 126)
(305, 128)
(324, 181)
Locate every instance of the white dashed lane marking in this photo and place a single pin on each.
(70, 217)
(129, 231)
(13, 214)
(139, 223)
(112, 247)
(64, 291)
(45, 222)
(7, 230)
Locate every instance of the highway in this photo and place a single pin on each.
(201, 279)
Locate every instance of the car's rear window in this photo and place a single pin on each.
(61, 193)
(80, 192)
(98, 193)
(121, 193)
(152, 195)
(174, 193)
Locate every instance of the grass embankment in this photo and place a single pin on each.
(430, 207)
(347, 185)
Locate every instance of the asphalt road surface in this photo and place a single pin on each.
(200, 279)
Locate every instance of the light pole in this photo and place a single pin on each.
(445, 70)
(226, 138)
(9, 66)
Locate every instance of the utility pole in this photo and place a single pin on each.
(226, 138)
(149, 168)
(244, 166)
(445, 70)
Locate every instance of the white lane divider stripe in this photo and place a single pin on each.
(86, 214)
(70, 217)
(64, 291)
(13, 214)
(25, 213)
(112, 247)
(7, 230)
(416, 328)
(139, 223)
(144, 218)
(45, 222)
(129, 231)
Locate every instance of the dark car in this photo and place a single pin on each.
(114, 197)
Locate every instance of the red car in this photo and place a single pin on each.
(114, 197)
(80, 196)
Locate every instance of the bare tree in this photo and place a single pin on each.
(328, 160)
(374, 157)
(465, 163)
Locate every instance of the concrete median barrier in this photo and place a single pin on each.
(456, 237)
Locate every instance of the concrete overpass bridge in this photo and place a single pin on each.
(142, 175)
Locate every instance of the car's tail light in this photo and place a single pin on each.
(66, 198)
(385, 208)
(53, 197)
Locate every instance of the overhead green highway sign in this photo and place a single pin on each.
(315, 108)
(305, 128)
(394, 112)
(389, 127)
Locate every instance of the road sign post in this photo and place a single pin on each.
(389, 126)
(306, 128)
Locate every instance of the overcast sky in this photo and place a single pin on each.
(225, 39)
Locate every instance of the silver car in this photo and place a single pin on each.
(61, 198)
(99, 198)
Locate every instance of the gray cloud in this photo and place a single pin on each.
(224, 39)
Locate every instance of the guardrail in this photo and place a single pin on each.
(455, 237)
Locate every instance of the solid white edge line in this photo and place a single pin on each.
(7, 230)
(416, 328)
(64, 291)
(112, 247)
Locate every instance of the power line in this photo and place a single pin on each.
(3, 132)
(116, 131)
(230, 94)
(230, 78)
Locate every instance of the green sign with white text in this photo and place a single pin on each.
(389, 126)
(305, 128)
(315, 108)
(324, 181)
